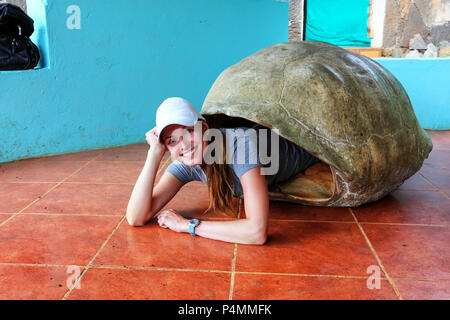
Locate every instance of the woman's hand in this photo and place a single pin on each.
(173, 220)
(153, 141)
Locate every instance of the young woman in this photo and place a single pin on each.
(174, 132)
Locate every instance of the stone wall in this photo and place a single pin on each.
(21, 3)
(406, 18)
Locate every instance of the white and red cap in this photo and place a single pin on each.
(176, 110)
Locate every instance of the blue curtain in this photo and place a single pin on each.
(340, 22)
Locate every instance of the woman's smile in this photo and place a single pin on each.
(189, 154)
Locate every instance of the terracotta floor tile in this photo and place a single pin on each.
(119, 171)
(32, 282)
(320, 248)
(436, 168)
(291, 211)
(15, 196)
(412, 207)
(3, 217)
(423, 290)
(285, 287)
(132, 152)
(109, 172)
(308, 248)
(38, 170)
(438, 158)
(84, 199)
(440, 178)
(413, 252)
(77, 156)
(154, 246)
(417, 182)
(440, 138)
(54, 239)
(122, 284)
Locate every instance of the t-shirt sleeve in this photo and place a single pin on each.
(251, 160)
(181, 171)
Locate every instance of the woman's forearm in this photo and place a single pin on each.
(140, 202)
(243, 231)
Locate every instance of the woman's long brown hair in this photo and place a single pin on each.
(220, 178)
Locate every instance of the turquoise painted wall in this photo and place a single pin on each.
(427, 82)
(100, 85)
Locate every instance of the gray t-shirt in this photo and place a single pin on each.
(292, 159)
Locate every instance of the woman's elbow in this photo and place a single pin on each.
(259, 236)
(135, 224)
(262, 239)
(132, 221)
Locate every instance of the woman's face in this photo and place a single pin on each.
(185, 144)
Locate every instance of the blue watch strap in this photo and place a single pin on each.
(192, 224)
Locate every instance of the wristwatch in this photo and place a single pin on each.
(192, 224)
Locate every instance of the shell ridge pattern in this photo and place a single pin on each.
(294, 118)
(346, 142)
(384, 82)
(380, 137)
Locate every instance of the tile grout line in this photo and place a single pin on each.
(74, 214)
(439, 189)
(109, 267)
(247, 272)
(112, 267)
(43, 265)
(229, 219)
(429, 182)
(86, 268)
(313, 221)
(89, 265)
(422, 280)
(407, 224)
(389, 279)
(48, 191)
(233, 260)
(233, 265)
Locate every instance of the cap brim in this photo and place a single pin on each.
(184, 122)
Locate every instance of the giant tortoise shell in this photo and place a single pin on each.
(342, 107)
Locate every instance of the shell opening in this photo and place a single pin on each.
(315, 186)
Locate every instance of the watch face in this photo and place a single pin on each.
(194, 222)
